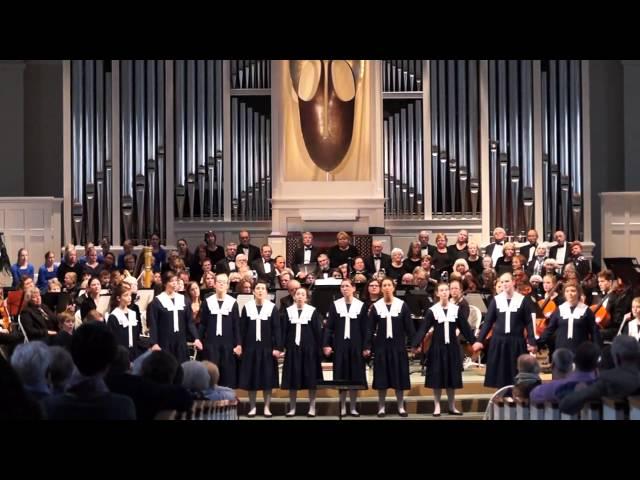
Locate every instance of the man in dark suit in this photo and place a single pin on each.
(228, 263)
(306, 254)
(619, 382)
(251, 251)
(578, 259)
(378, 260)
(425, 246)
(528, 251)
(560, 251)
(324, 269)
(494, 250)
(264, 266)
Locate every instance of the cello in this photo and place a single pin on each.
(603, 317)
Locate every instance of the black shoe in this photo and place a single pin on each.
(381, 414)
(251, 415)
(452, 412)
(289, 415)
(268, 415)
(403, 414)
(311, 415)
(354, 414)
(435, 414)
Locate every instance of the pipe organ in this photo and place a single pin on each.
(206, 125)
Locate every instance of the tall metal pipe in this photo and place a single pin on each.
(180, 158)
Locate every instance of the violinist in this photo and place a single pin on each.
(631, 326)
(609, 305)
(578, 260)
(549, 303)
(572, 322)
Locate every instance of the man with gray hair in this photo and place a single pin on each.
(561, 367)
(425, 247)
(619, 382)
(31, 362)
(228, 263)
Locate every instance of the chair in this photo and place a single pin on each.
(495, 406)
(209, 410)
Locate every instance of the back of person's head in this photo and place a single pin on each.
(31, 362)
(15, 404)
(528, 364)
(160, 367)
(625, 350)
(60, 368)
(195, 376)
(562, 362)
(121, 363)
(94, 316)
(586, 358)
(214, 372)
(93, 348)
(605, 361)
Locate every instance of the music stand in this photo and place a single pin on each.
(477, 300)
(323, 296)
(417, 301)
(57, 301)
(340, 385)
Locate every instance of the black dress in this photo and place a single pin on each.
(390, 361)
(505, 347)
(258, 367)
(219, 342)
(583, 327)
(348, 362)
(302, 367)
(119, 323)
(169, 321)
(444, 362)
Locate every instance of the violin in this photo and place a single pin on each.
(4, 314)
(603, 317)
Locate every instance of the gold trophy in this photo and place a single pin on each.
(147, 278)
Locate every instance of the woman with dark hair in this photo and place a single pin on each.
(414, 257)
(169, 319)
(261, 347)
(302, 337)
(184, 253)
(390, 326)
(125, 322)
(47, 271)
(344, 336)
(22, 267)
(220, 331)
(90, 299)
(159, 253)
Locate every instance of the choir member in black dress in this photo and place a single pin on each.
(169, 319)
(260, 335)
(509, 315)
(344, 336)
(343, 252)
(572, 322)
(390, 321)
(125, 322)
(444, 362)
(302, 367)
(220, 331)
